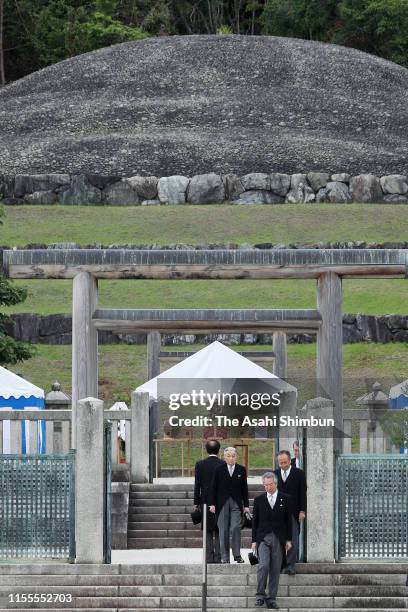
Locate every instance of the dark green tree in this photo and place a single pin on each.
(11, 351)
(309, 19)
(38, 33)
(395, 425)
(376, 26)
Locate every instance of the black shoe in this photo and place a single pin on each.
(239, 559)
(222, 561)
(272, 604)
(291, 572)
(259, 603)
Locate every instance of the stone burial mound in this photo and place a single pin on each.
(195, 104)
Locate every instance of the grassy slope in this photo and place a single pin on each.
(286, 224)
(366, 296)
(123, 368)
(209, 224)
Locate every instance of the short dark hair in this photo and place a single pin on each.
(284, 452)
(212, 447)
(296, 443)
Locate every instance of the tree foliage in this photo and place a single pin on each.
(395, 425)
(11, 351)
(40, 32)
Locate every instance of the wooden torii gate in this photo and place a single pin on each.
(86, 266)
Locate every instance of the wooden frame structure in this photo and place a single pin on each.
(327, 267)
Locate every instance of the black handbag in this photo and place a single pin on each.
(246, 520)
(196, 517)
(253, 558)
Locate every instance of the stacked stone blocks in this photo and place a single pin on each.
(211, 188)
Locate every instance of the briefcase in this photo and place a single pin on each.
(253, 558)
(196, 516)
(246, 520)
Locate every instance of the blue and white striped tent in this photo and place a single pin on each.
(399, 396)
(17, 393)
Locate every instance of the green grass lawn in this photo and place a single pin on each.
(300, 224)
(163, 225)
(378, 297)
(122, 368)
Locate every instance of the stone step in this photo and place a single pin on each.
(355, 593)
(218, 609)
(173, 542)
(184, 513)
(163, 533)
(113, 580)
(83, 591)
(159, 518)
(180, 525)
(158, 495)
(180, 487)
(218, 602)
(343, 571)
(60, 568)
(254, 608)
(139, 499)
(161, 501)
(302, 581)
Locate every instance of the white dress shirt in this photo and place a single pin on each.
(231, 469)
(272, 498)
(287, 473)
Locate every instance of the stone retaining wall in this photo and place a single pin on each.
(253, 188)
(56, 329)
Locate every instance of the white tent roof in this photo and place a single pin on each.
(12, 385)
(400, 389)
(214, 361)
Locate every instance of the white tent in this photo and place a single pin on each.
(399, 395)
(215, 361)
(16, 393)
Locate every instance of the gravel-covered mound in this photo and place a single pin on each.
(195, 104)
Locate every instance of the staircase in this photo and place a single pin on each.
(159, 516)
(350, 587)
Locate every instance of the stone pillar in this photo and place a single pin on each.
(320, 523)
(363, 437)
(84, 341)
(287, 435)
(377, 403)
(330, 347)
(153, 369)
(139, 438)
(153, 351)
(280, 364)
(89, 475)
(347, 436)
(61, 432)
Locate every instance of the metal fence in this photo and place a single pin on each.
(372, 507)
(37, 506)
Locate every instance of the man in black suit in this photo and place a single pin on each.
(229, 498)
(295, 461)
(204, 474)
(292, 481)
(271, 536)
